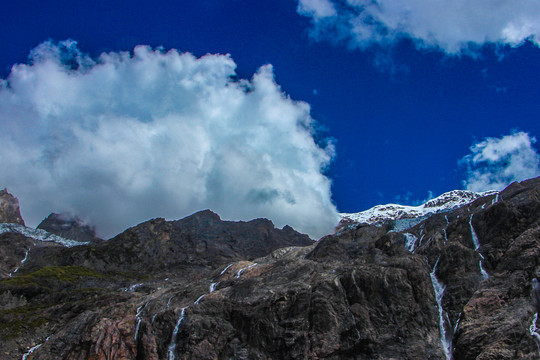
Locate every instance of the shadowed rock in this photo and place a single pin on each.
(9, 209)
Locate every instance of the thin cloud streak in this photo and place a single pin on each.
(127, 137)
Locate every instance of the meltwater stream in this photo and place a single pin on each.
(476, 243)
(239, 273)
(34, 348)
(439, 288)
(20, 264)
(212, 288)
(139, 319)
(411, 242)
(534, 331)
(172, 346)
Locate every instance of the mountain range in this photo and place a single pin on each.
(455, 278)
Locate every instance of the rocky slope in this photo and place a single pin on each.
(69, 227)
(457, 284)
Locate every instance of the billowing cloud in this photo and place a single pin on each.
(449, 25)
(130, 136)
(494, 163)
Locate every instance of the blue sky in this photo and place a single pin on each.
(401, 97)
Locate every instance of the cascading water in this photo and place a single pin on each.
(214, 285)
(244, 269)
(34, 348)
(172, 346)
(457, 323)
(21, 263)
(439, 288)
(223, 271)
(411, 242)
(534, 331)
(476, 243)
(139, 319)
(199, 299)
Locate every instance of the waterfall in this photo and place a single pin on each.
(244, 269)
(421, 238)
(534, 331)
(21, 263)
(473, 235)
(439, 288)
(172, 346)
(223, 271)
(34, 348)
(200, 298)
(213, 286)
(410, 242)
(484, 273)
(476, 243)
(169, 301)
(457, 323)
(139, 318)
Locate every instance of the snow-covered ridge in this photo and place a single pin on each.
(445, 202)
(38, 234)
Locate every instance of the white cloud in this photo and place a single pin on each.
(449, 25)
(127, 137)
(494, 163)
(316, 8)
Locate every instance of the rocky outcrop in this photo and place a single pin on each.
(458, 283)
(9, 209)
(69, 227)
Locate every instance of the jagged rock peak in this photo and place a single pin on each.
(69, 227)
(9, 209)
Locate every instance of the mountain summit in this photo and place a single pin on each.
(443, 203)
(9, 209)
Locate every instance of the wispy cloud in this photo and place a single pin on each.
(496, 162)
(453, 26)
(130, 136)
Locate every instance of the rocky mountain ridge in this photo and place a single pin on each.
(391, 212)
(457, 284)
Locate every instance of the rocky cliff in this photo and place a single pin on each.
(458, 284)
(69, 227)
(9, 209)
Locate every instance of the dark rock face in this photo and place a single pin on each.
(68, 227)
(203, 288)
(9, 209)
